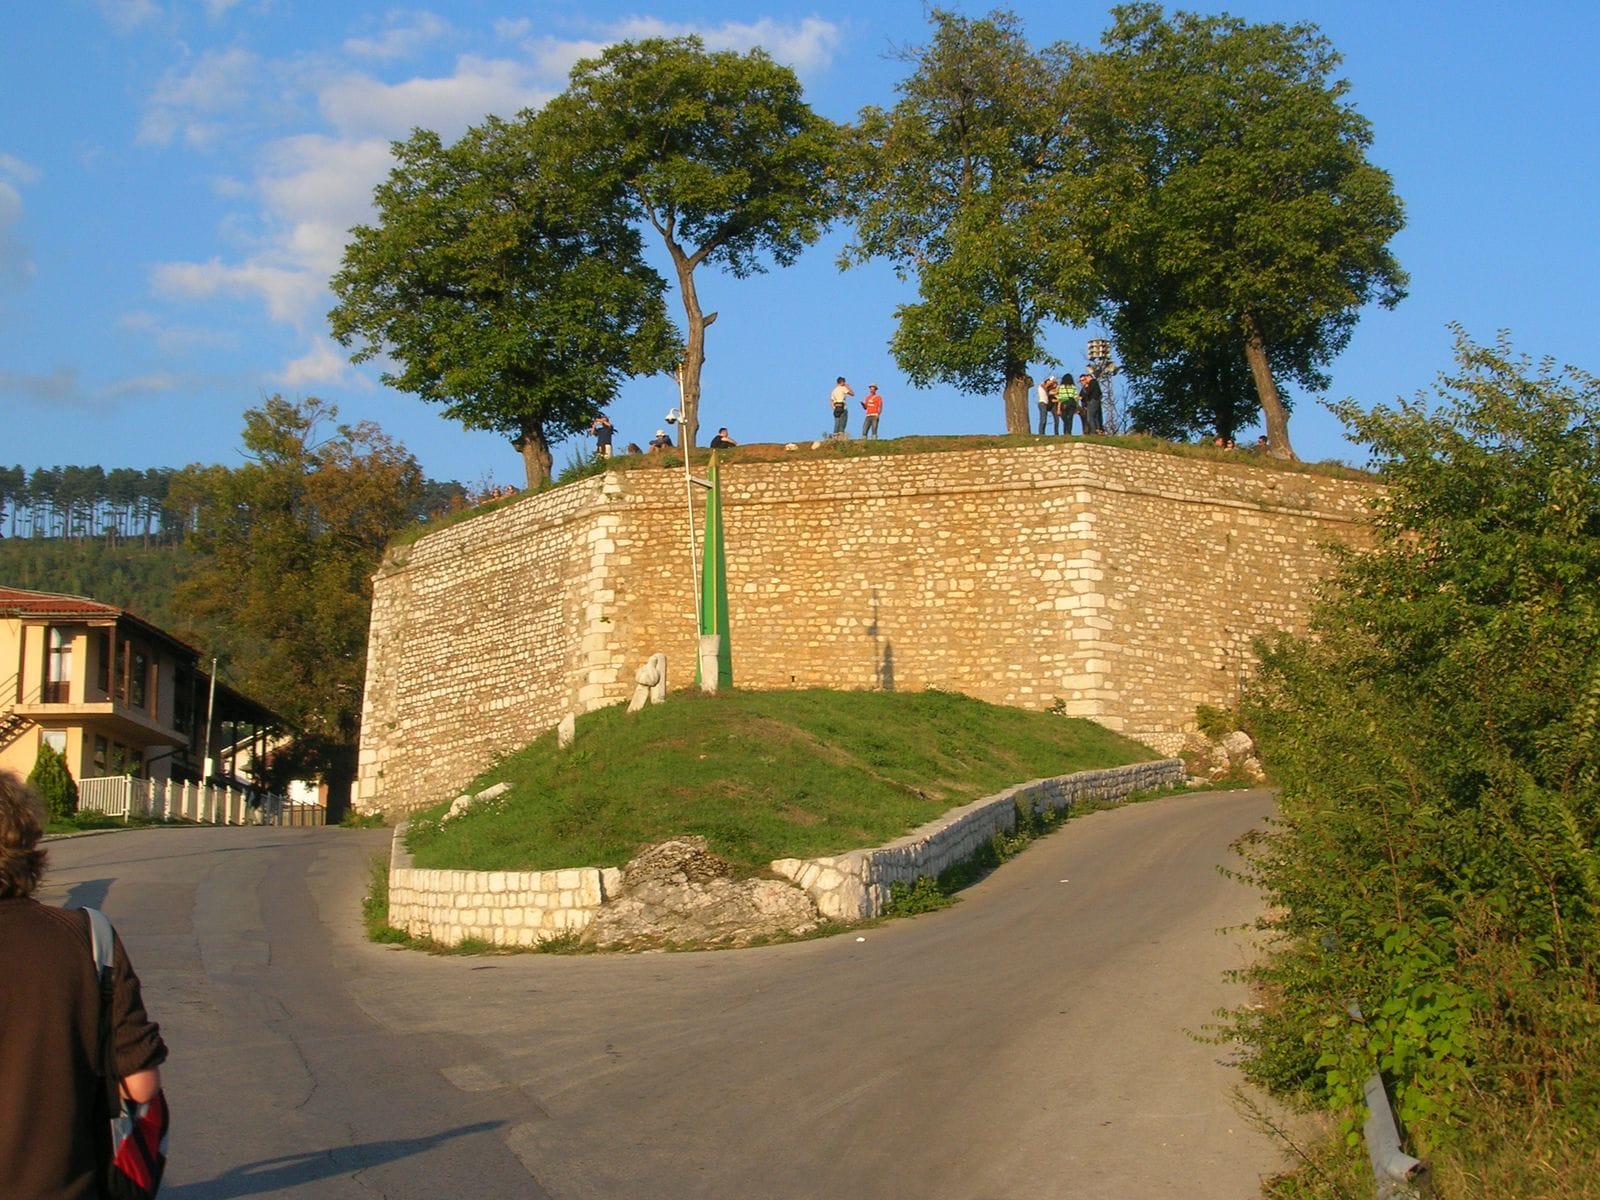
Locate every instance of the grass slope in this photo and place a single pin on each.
(761, 775)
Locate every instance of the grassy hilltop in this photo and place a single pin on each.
(761, 775)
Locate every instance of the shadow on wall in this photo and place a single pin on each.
(882, 651)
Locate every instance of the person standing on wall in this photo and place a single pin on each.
(1067, 404)
(839, 401)
(1045, 394)
(873, 404)
(603, 433)
(50, 1032)
(1089, 401)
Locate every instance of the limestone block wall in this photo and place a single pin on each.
(483, 635)
(855, 886)
(503, 908)
(1127, 585)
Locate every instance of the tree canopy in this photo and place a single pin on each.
(284, 551)
(1438, 746)
(716, 151)
(968, 186)
(1234, 204)
(499, 290)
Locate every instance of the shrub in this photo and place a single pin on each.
(1438, 746)
(53, 781)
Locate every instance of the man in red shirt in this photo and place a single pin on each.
(873, 403)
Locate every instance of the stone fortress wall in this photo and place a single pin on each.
(1126, 585)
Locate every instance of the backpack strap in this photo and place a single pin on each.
(100, 937)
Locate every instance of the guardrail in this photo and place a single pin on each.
(124, 796)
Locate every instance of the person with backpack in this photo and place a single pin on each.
(51, 1095)
(839, 401)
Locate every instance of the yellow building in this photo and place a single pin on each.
(112, 693)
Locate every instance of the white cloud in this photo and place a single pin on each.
(512, 30)
(321, 364)
(60, 387)
(359, 105)
(174, 339)
(290, 295)
(189, 103)
(127, 15)
(807, 47)
(405, 34)
(315, 189)
(143, 385)
(16, 262)
(217, 9)
(15, 169)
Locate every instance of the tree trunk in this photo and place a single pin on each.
(1255, 353)
(535, 451)
(694, 351)
(1016, 400)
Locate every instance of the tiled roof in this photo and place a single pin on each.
(18, 602)
(15, 602)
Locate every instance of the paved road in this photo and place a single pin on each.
(1033, 1041)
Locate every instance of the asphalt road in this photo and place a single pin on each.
(1035, 1040)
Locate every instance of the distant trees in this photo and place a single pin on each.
(284, 548)
(80, 503)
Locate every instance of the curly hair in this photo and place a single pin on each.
(21, 860)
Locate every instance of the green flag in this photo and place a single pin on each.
(714, 582)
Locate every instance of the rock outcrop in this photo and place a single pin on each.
(679, 891)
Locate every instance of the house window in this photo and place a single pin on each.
(139, 689)
(58, 667)
(103, 650)
(101, 749)
(56, 739)
(119, 677)
(183, 701)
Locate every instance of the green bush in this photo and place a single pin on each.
(1437, 741)
(53, 781)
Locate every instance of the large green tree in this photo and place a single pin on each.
(499, 290)
(717, 152)
(1437, 742)
(967, 185)
(1234, 204)
(284, 551)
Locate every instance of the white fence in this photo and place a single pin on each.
(161, 800)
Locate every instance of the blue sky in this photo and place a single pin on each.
(176, 178)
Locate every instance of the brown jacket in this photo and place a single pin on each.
(49, 1047)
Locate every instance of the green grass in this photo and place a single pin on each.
(760, 775)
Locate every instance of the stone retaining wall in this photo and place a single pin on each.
(1120, 585)
(855, 886)
(504, 908)
(521, 908)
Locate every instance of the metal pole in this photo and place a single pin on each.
(211, 709)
